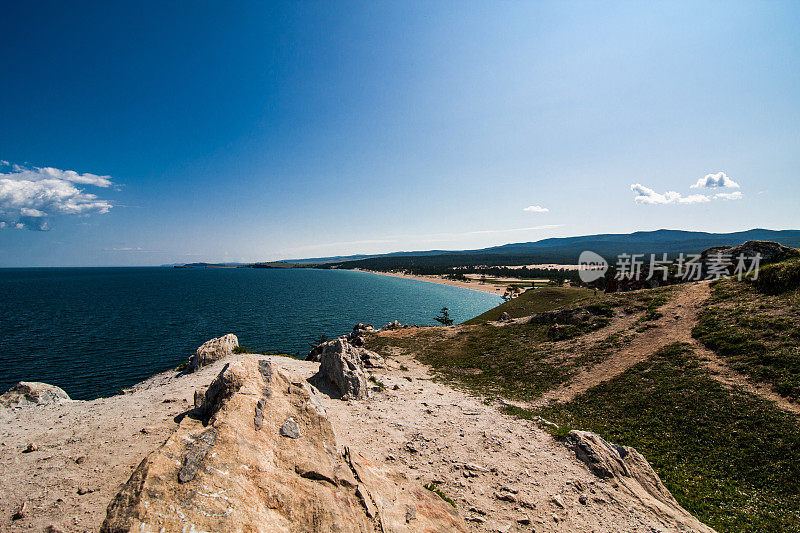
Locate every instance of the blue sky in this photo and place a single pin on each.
(256, 131)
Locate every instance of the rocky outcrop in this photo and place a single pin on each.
(769, 251)
(395, 325)
(634, 475)
(342, 365)
(213, 350)
(344, 346)
(267, 460)
(356, 336)
(31, 394)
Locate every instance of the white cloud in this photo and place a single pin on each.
(735, 195)
(29, 197)
(646, 195)
(712, 181)
(536, 209)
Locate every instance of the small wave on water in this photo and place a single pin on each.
(92, 331)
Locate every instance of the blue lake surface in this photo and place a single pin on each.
(92, 331)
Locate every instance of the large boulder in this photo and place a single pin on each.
(233, 468)
(31, 394)
(356, 337)
(631, 471)
(769, 251)
(341, 365)
(369, 359)
(213, 350)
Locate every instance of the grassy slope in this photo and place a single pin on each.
(534, 301)
(758, 334)
(730, 458)
(523, 360)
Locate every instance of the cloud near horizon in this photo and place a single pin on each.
(31, 196)
(646, 195)
(718, 180)
(536, 209)
(735, 195)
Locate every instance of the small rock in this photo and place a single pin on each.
(80, 460)
(31, 447)
(396, 387)
(53, 529)
(476, 510)
(21, 512)
(411, 513)
(583, 499)
(524, 521)
(475, 467)
(506, 488)
(290, 429)
(478, 519)
(84, 490)
(557, 501)
(505, 496)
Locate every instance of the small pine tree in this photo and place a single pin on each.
(444, 318)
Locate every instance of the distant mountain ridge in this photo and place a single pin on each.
(566, 249)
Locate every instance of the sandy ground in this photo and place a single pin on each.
(87, 450)
(474, 285)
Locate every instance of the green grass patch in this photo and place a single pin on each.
(514, 361)
(433, 486)
(378, 383)
(522, 360)
(534, 301)
(730, 458)
(779, 278)
(758, 334)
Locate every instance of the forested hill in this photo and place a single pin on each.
(565, 250)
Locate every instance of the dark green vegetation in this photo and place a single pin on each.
(757, 334)
(378, 383)
(779, 278)
(559, 250)
(534, 301)
(433, 486)
(525, 360)
(730, 458)
(444, 317)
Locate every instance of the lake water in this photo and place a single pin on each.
(92, 331)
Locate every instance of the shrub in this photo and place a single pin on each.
(779, 277)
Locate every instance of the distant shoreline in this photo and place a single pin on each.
(472, 285)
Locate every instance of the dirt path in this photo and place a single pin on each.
(679, 317)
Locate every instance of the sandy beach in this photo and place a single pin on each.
(474, 285)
